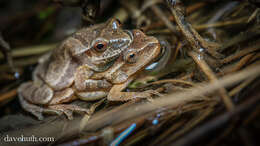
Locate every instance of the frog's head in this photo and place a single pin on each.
(103, 42)
(142, 51)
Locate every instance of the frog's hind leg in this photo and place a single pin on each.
(68, 109)
(64, 96)
(36, 92)
(36, 110)
(29, 93)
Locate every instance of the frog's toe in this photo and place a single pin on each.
(52, 111)
(68, 109)
(31, 108)
(69, 114)
(153, 92)
(37, 114)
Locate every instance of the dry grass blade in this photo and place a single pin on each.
(205, 77)
(34, 50)
(101, 120)
(210, 74)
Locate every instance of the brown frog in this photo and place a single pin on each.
(95, 47)
(142, 51)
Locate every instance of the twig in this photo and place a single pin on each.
(210, 74)
(242, 36)
(33, 50)
(241, 63)
(174, 81)
(241, 53)
(171, 100)
(168, 131)
(253, 15)
(195, 135)
(5, 48)
(189, 10)
(223, 135)
(191, 124)
(158, 12)
(8, 95)
(241, 86)
(192, 36)
(220, 24)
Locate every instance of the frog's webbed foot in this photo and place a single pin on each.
(59, 109)
(153, 92)
(35, 110)
(68, 109)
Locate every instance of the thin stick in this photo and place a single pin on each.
(8, 95)
(215, 123)
(241, 63)
(98, 121)
(158, 12)
(172, 100)
(241, 53)
(174, 81)
(210, 74)
(192, 36)
(240, 87)
(189, 10)
(190, 124)
(32, 50)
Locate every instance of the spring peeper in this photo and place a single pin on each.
(96, 47)
(92, 85)
(142, 51)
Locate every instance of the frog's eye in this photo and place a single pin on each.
(131, 57)
(100, 46)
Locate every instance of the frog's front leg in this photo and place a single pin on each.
(116, 93)
(83, 81)
(89, 89)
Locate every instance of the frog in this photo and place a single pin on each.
(142, 52)
(95, 47)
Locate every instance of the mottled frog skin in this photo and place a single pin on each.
(142, 52)
(93, 63)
